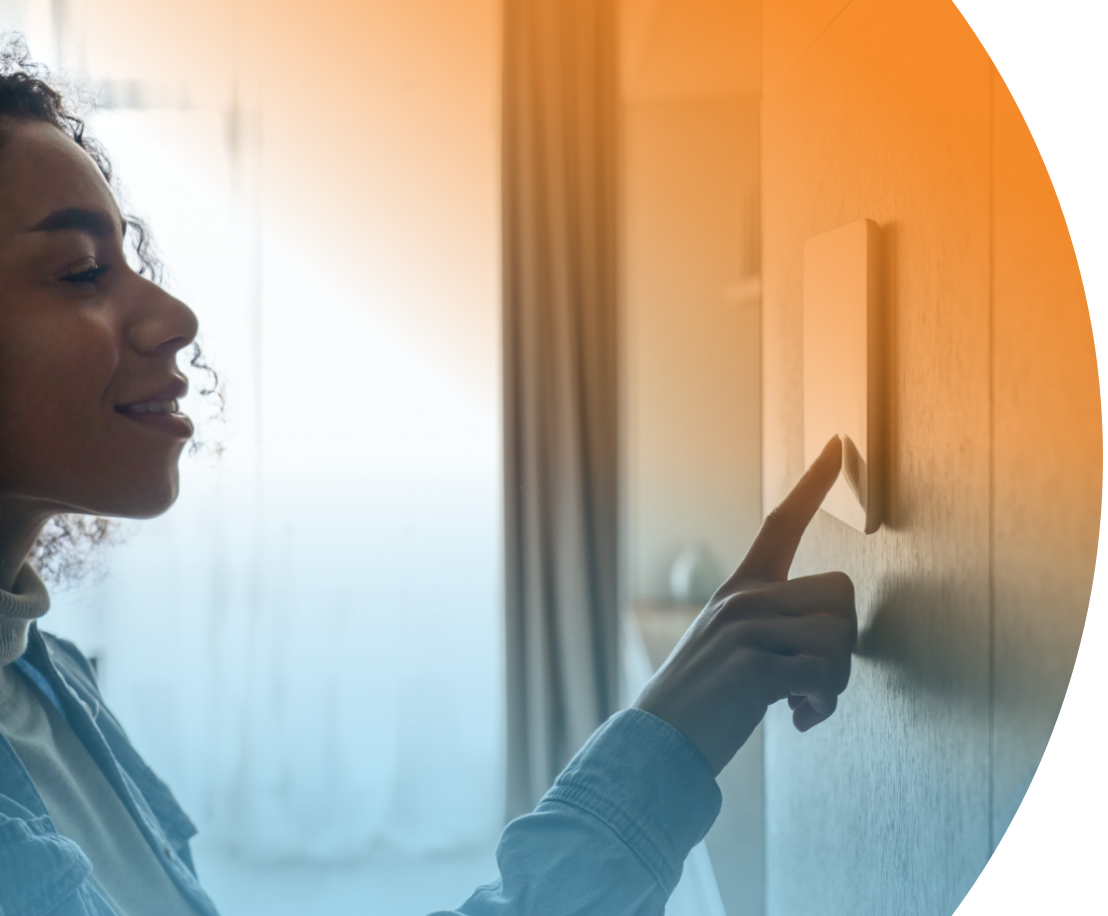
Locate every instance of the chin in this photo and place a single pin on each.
(154, 504)
(139, 499)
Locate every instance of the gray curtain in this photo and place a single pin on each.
(560, 397)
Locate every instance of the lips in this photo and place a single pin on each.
(160, 410)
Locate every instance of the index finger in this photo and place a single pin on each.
(771, 554)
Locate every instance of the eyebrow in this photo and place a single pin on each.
(95, 222)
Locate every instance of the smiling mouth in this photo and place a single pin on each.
(139, 408)
(162, 415)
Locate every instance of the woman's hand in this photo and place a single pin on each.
(762, 637)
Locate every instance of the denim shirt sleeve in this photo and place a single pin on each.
(612, 833)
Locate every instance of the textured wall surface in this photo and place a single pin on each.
(972, 596)
(1047, 465)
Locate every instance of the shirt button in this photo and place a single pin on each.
(168, 851)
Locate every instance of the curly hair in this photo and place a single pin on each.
(66, 548)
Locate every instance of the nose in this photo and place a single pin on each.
(162, 324)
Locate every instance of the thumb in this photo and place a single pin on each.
(771, 554)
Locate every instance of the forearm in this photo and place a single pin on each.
(611, 835)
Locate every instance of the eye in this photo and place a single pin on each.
(87, 271)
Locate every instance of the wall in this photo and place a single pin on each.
(973, 595)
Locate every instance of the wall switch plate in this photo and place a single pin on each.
(842, 366)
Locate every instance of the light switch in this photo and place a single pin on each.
(842, 366)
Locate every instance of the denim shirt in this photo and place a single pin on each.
(42, 872)
(609, 837)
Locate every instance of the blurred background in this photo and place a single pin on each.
(309, 647)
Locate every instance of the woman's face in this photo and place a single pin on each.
(88, 376)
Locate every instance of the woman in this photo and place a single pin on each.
(90, 426)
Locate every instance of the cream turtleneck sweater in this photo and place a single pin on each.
(27, 601)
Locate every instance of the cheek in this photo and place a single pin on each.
(66, 369)
(54, 383)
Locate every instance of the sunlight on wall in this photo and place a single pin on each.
(307, 647)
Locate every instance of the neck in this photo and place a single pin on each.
(20, 526)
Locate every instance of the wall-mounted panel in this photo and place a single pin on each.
(843, 378)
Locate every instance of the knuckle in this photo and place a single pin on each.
(844, 635)
(842, 586)
(740, 606)
(744, 632)
(821, 676)
(774, 516)
(840, 590)
(753, 661)
(776, 520)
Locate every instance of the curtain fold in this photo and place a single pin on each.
(560, 382)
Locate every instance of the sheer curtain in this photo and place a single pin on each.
(308, 645)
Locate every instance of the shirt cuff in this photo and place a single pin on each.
(646, 781)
